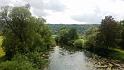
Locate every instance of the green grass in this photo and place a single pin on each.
(111, 53)
(119, 54)
(2, 53)
(119, 50)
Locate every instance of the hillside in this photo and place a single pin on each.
(81, 28)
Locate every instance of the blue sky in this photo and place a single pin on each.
(72, 11)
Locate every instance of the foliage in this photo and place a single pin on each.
(106, 40)
(67, 36)
(37, 60)
(79, 43)
(14, 65)
(90, 36)
(121, 44)
(23, 32)
(17, 64)
(29, 61)
(108, 32)
(81, 28)
(2, 53)
(62, 37)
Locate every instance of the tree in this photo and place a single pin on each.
(90, 36)
(122, 34)
(108, 32)
(67, 36)
(62, 36)
(23, 33)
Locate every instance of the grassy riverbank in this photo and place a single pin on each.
(111, 53)
(119, 54)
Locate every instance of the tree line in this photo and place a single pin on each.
(101, 40)
(80, 28)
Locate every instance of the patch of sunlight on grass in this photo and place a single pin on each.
(119, 53)
(2, 53)
(119, 50)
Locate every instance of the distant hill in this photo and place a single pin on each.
(81, 28)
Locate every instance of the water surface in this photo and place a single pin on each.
(61, 59)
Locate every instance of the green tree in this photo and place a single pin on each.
(122, 34)
(108, 32)
(67, 36)
(23, 33)
(90, 36)
(62, 36)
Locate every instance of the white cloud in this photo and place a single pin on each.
(42, 7)
(73, 11)
(61, 18)
(54, 5)
(92, 11)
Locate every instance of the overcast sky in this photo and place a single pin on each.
(72, 11)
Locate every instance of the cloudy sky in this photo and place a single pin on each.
(72, 11)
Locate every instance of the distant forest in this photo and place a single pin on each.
(81, 28)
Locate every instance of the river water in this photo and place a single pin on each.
(60, 59)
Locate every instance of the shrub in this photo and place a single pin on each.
(17, 63)
(29, 61)
(79, 43)
(37, 60)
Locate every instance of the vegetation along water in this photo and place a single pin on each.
(27, 42)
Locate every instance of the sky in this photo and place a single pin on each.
(72, 11)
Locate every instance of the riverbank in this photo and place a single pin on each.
(100, 63)
(119, 54)
(109, 53)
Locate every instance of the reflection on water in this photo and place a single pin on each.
(61, 59)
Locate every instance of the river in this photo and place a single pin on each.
(61, 59)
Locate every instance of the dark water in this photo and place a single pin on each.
(61, 59)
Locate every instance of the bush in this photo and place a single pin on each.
(15, 65)
(37, 60)
(29, 61)
(79, 43)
